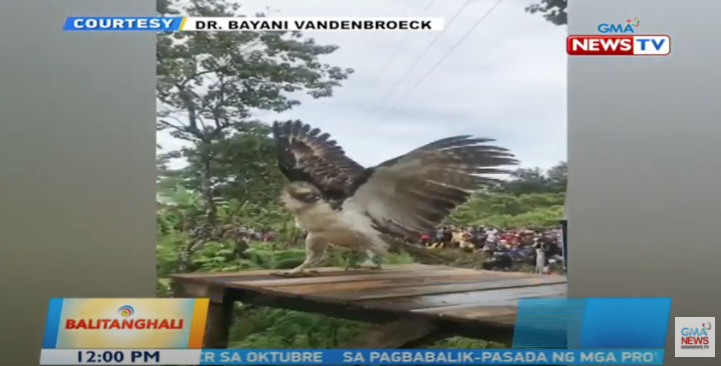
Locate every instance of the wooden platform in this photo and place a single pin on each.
(415, 303)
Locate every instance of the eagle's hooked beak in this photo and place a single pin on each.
(309, 197)
(300, 194)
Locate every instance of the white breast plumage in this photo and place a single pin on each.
(317, 218)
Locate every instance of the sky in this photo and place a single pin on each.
(506, 80)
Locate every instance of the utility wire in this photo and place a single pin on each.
(395, 53)
(428, 6)
(418, 60)
(435, 66)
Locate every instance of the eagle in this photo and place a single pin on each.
(338, 201)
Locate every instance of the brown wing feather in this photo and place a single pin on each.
(413, 193)
(307, 154)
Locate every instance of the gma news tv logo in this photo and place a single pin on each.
(695, 337)
(619, 39)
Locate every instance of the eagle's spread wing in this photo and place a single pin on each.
(308, 155)
(411, 194)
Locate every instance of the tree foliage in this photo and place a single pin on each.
(210, 84)
(553, 10)
(243, 167)
(535, 180)
(511, 211)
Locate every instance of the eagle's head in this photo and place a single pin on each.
(300, 195)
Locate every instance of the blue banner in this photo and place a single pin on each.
(431, 357)
(590, 323)
(156, 24)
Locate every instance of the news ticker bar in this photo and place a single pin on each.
(582, 323)
(220, 24)
(350, 357)
(618, 45)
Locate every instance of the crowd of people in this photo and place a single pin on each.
(505, 247)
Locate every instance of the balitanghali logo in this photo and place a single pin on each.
(126, 320)
(126, 311)
(695, 337)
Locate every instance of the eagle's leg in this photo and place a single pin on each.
(372, 262)
(353, 259)
(315, 247)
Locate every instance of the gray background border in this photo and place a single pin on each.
(643, 198)
(78, 139)
(78, 176)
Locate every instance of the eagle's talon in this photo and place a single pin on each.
(296, 274)
(373, 267)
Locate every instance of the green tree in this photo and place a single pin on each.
(244, 167)
(210, 83)
(558, 177)
(527, 180)
(510, 210)
(535, 180)
(553, 10)
(247, 166)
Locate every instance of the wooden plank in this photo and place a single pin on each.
(513, 303)
(480, 312)
(183, 289)
(475, 297)
(387, 283)
(501, 302)
(508, 320)
(190, 289)
(270, 272)
(350, 276)
(263, 279)
(484, 312)
(421, 301)
(268, 277)
(406, 291)
(333, 276)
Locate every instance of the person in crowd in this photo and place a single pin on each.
(540, 248)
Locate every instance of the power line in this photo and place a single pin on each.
(418, 60)
(435, 66)
(396, 52)
(428, 6)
